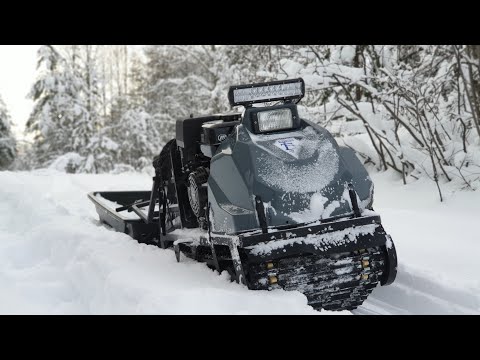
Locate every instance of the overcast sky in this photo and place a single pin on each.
(17, 74)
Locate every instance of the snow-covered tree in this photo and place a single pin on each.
(415, 108)
(101, 153)
(180, 81)
(87, 127)
(411, 101)
(67, 113)
(138, 137)
(58, 107)
(7, 141)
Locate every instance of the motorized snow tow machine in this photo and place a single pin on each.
(267, 196)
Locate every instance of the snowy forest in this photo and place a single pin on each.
(300, 228)
(411, 108)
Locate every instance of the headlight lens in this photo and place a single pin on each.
(275, 120)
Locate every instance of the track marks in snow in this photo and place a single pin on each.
(414, 293)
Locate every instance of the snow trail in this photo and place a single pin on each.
(417, 294)
(55, 257)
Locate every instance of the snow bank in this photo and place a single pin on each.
(55, 258)
(67, 163)
(437, 246)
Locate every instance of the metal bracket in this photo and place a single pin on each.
(237, 265)
(353, 199)
(262, 219)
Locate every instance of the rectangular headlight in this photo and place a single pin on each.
(272, 120)
(265, 92)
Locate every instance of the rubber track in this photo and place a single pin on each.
(333, 282)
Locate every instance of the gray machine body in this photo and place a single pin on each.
(300, 175)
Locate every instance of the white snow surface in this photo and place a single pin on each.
(55, 257)
(317, 209)
(62, 162)
(437, 246)
(319, 241)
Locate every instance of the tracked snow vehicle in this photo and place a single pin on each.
(267, 196)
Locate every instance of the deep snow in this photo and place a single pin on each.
(55, 257)
(437, 244)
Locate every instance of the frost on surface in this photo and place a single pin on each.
(289, 145)
(235, 210)
(189, 235)
(279, 171)
(269, 208)
(320, 241)
(317, 209)
(389, 243)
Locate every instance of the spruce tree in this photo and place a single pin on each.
(58, 107)
(7, 142)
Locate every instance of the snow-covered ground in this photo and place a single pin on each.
(56, 258)
(437, 244)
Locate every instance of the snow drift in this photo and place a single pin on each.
(55, 257)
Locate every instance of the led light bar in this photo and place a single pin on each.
(265, 92)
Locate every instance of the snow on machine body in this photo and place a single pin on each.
(267, 196)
